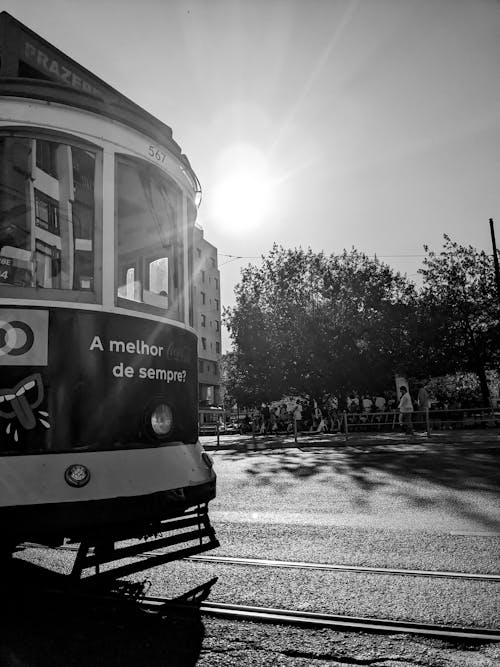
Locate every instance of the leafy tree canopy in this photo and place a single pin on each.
(458, 312)
(309, 323)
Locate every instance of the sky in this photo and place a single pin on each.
(328, 124)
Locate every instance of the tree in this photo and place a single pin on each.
(234, 385)
(309, 323)
(458, 313)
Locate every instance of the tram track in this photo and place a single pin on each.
(263, 562)
(332, 621)
(276, 615)
(283, 616)
(310, 565)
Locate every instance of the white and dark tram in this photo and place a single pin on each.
(98, 349)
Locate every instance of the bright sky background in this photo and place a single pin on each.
(337, 123)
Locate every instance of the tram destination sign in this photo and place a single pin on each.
(55, 68)
(21, 47)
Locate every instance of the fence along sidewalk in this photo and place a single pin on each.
(425, 420)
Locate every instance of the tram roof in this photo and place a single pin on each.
(32, 67)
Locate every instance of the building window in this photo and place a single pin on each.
(217, 325)
(216, 370)
(203, 320)
(200, 366)
(216, 304)
(202, 276)
(46, 212)
(198, 252)
(204, 343)
(217, 347)
(213, 261)
(203, 297)
(216, 283)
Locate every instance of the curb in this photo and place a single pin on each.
(246, 443)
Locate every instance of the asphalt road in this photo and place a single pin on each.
(417, 486)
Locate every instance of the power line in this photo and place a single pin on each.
(235, 257)
(224, 254)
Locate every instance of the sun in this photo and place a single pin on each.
(242, 196)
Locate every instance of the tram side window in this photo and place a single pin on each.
(191, 213)
(47, 214)
(48, 265)
(16, 257)
(149, 239)
(46, 156)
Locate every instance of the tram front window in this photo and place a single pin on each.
(149, 239)
(47, 214)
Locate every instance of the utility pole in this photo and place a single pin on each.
(495, 257)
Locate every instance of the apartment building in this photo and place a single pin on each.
(207, 317)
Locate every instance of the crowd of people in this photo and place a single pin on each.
(356, 412)
(327, 417)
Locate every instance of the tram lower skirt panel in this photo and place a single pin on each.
(95, 519)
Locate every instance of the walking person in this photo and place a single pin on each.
(405, 409)
(423, 406)
(297, 415)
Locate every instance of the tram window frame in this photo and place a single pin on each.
(141, 258)
(92, 294)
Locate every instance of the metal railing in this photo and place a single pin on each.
(422, 420)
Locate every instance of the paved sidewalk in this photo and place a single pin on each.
(454, 437)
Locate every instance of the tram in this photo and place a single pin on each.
(98, 348)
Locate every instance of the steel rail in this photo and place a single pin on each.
(287, 616)
(333, 621)
(264, 562)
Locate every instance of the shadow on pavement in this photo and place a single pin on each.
(42, 627)
(367, 467)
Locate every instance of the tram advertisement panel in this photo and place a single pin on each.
(76, 379)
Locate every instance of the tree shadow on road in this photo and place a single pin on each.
(420, 473)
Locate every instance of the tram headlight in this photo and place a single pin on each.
(162, 420)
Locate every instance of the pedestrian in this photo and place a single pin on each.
(297, 415)
(424, 405)
(405, 409)
(367, 403)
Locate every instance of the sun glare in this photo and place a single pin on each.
(242, 195)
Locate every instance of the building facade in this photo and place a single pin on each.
(207, 317)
